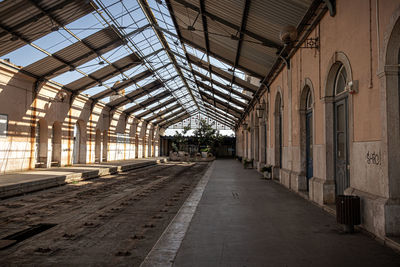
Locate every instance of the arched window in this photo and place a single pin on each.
(309, 101)
(340, 82)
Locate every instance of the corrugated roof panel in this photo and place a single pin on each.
(29, 22)
(225, 51)
(267, 17)
(223, 38)
(76, 54)
(105, 73)
(226, 9)
(256, 54)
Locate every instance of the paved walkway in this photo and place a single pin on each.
(242, 220)
(17, 183)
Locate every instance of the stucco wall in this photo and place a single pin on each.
(356, 37)
(25, 108)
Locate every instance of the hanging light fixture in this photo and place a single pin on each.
(260, 111)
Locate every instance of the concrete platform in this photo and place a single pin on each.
(242, 220)
(17, 183)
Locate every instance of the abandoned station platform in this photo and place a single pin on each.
(200, 132)
(243, 220)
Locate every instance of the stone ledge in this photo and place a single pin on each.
(28, 186)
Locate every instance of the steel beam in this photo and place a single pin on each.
(225, 123)
(225, 60)
(223, 74)
(263, 40)
(163, 112)
(217, 117)
(121, 86)
(136, 94)
(36, 17)
(154, 109)
(221, 94)
(180, 118)
(150, 17)
(221, 105)
(170, 116)
(223, 86)
(240, 41)
(220, 113)
(147, 102)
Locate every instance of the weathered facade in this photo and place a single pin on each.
(330, 122)
(45, 129)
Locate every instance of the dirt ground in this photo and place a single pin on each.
(110, 220)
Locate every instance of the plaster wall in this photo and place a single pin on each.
(359, 42)
(26, 103)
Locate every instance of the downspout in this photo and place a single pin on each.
(378, 44)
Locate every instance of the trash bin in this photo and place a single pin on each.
(348, 212)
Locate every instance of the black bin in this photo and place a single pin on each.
(348, 211)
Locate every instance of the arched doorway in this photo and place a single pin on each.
(391, 127)
(132, 135)
(338, 119)
(251, 138)
(243, 139)
(105, 146)
(56, 145)
(97, 147)
(341, 132)
(41, 140)
(256, 134)
(278, 133)
(263, 122)
(306, 133)
(77, 144)
(79, 148)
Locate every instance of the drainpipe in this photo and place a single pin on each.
(378, 44)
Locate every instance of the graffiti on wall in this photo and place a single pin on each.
(374, 158)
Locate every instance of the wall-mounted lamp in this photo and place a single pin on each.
(260, 111)
(59, 97)
(288, 36)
